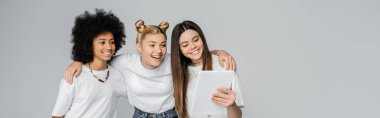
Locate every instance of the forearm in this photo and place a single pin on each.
(58, 116)
(234, 111)
(215, 52)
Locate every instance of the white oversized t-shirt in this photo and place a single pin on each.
(194, 72)
(89, 98)
(148, 90)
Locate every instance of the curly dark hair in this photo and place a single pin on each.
(88, 26)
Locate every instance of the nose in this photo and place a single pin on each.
(192, 46)
(158, 49)
(108, 46)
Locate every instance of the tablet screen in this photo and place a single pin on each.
(208, 82)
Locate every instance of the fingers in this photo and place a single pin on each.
(70, 79)
(225, 90)
(227, 63)
(77, 72)
(70, 72)
(221, 62)
(233, 64)
(226, 98)
(223, 99)
(221, 95)
(220, 101)
(230, 62)
(68, 76)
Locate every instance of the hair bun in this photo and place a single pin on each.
(164, 25)
(140, 26)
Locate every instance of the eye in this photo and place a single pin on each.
(185, 45)
(196, 39)
(102, 42)
(151, 45)
(163, 45)
(112, 42)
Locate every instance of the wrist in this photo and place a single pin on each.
(215, 52)
(233, 105)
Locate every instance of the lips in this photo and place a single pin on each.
(108, 53)
(194, 52)
(157, 57)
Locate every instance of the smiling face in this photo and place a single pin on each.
(152, 50)
(191, 46)
(103, 47)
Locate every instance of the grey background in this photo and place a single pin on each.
(296, 58)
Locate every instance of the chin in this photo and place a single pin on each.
(195, 58)
(156, 64)
(106, 59)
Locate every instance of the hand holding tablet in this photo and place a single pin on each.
(207, 86)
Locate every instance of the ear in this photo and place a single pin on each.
(139, 47)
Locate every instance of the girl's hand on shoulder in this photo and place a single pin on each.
(226, 60)
(73, 70)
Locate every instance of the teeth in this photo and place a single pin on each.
(107, 53)
(195, 51)
(156, 57)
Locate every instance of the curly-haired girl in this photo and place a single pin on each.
(94, 94)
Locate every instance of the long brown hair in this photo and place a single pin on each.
(180, 64)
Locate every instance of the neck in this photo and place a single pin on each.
(197, 62)
(98, 65)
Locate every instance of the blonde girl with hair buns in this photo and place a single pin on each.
(148, 74)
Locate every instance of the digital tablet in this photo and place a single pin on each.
(208, 82)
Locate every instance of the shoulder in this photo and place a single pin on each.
(84, 73)
(124, 60)
(113, 70)
(115, 74)
(65, 87)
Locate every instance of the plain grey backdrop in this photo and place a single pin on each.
(296, 58)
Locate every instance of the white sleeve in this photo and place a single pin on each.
(117, 61)
(123, 61)
(64, 99)
(237, 89)
(124, 87)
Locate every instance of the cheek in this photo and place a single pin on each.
(163, 49)
(183, 50)
(113, 46)
(199, 43)
(146, 51)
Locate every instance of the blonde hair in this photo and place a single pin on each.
(143, 30)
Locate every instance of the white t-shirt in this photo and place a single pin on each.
(194, 72)
(148, 90)
(89, 98)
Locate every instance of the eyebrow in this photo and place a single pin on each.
(195, 37)
(151, 41)
(103, 39)
(192, 39)
(184, 42)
